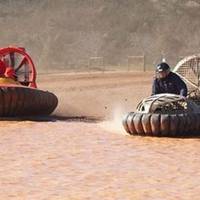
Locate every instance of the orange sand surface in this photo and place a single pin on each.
(73, 155)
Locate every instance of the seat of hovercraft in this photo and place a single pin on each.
(8, 81)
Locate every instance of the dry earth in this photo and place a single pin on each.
(80, 159)
(98, 95)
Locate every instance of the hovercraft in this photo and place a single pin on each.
(164, 115)
(19, 95)
(170, 115)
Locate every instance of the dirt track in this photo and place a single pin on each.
(99, 94)
(78, 160)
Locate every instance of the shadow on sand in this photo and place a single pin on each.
(53, 118)
(85, 119)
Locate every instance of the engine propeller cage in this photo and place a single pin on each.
(189, 70)
(169, 114)
(167, 103)
(21, 62)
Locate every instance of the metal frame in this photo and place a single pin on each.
(26, 59)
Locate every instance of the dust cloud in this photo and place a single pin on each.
(114, 123)
(102, 96)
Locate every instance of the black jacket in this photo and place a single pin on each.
(171, 84)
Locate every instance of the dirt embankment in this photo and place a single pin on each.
(66, 33)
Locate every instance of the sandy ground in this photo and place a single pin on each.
(84, 158)
(98, 95)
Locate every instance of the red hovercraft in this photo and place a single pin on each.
(19, 95)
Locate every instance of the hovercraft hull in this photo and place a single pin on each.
(16, 101)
